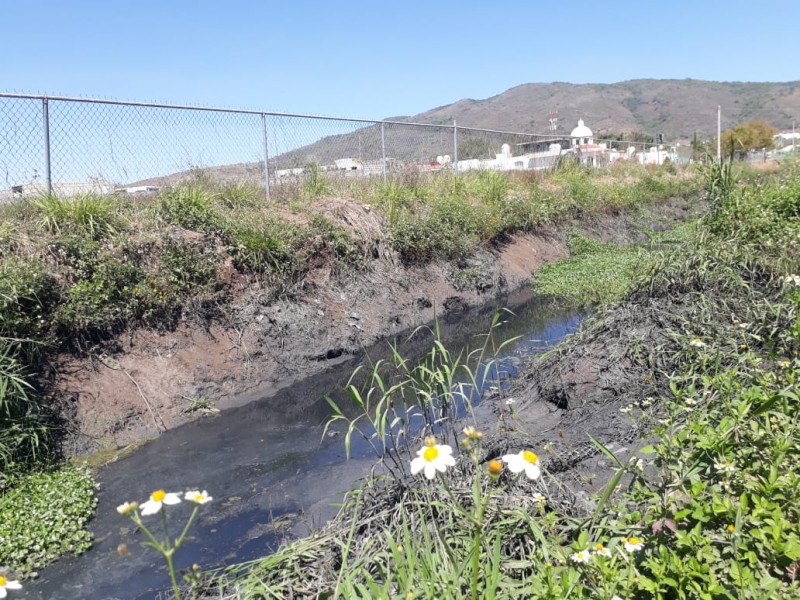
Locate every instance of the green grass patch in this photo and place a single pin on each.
(595, 273)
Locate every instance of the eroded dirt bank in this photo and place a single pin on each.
(153, 381)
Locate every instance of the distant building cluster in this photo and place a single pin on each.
(540, 154)
(73, 189)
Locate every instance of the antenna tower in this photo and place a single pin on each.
(553, 121)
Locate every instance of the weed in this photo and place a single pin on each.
(236, 195)
(315, 184)
(595, 273)
(24, 432)
(93, 215)
(187, 265)
(189, 206)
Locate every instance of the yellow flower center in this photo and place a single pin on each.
(431, 452)
(634, 541)
(731, 528)
(598, 546)
(495, 467)
(2, 581)
(530, 457)
(158, 496)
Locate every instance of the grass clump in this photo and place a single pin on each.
(190, 206)
(93, 215)
(43, 516)
(25, 434)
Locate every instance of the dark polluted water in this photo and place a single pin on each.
(266, 464)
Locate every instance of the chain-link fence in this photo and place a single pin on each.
(73, 146)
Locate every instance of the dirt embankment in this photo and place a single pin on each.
(157, 380)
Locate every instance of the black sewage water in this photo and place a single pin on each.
(266, 464)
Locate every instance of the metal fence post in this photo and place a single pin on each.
(46, 125)
(383, 153)
(455, 146)
(266, 153)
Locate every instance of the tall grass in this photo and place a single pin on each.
(89, 213)
(24, 434)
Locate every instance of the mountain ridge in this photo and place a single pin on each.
(676, 108)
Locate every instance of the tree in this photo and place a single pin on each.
(753, 135)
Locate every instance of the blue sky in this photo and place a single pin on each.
(380, 59)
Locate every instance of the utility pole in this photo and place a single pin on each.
(719, 133)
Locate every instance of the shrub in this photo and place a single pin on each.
(187, 266)
(28, 295)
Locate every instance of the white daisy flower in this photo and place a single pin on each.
(601, 550)
(581, 557)
(198, 497)
(697, 343)
(510, 401)
(524, 461)
(7, 584)
(157, 499)
(632, 544)
(724, 467)
(795, 279)
(433, 457)
(539, 498)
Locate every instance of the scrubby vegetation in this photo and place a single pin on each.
(707, 509)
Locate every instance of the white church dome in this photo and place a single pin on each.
(581, 131)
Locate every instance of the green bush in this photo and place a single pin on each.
(188, 265)
(28, 295)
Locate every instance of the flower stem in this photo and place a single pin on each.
(171, 567)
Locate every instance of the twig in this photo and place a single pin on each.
(147, 404)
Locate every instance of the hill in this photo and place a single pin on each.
(676, 108)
